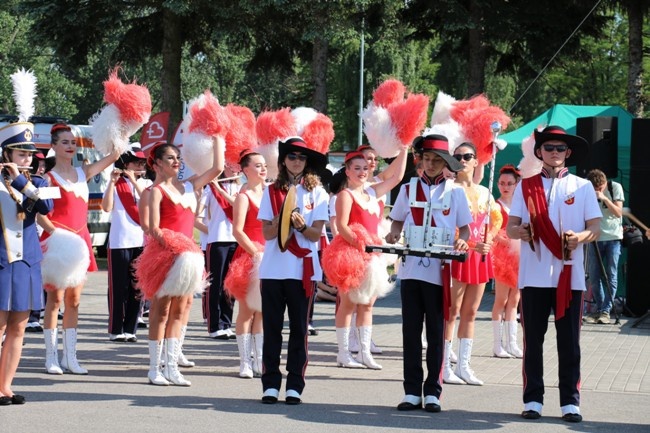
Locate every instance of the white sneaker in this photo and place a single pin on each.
(117, 337)
(221, 334)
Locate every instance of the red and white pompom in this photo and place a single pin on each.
(390, 121)
(65, 260)
(475, 117)
(128, 109)
(205, 122)
(271, 127)
(315, 128)
(349, 268)
(242, 281)
(175, 268)
(241, 134)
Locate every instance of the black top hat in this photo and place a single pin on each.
(439, 145)
(578, 145)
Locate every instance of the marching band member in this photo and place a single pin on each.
(358, 204)
(505, 263)
(429, 209)
(125, 242)
(551, 271)
(469, 277)
(242, 279)
(171, 210)
(20, 253)
(288, 278)
(70, 212)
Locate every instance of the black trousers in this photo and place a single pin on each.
(422, 301)
(123, 296)
(217, 306)
(536, 306)
(278, 295)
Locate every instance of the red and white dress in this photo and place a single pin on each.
(348, 267)
(242, 279)
(70, 212)
(175, 267)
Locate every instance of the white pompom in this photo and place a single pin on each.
(107, 131)
(376, 282)
(65, 260)
(379, 129)
(442, 108)
(303, 116)
(271, 154)
(185, 277)
(451, 130)
(530, 165)
(197, 151)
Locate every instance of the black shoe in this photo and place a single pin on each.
(531, 414)
(292, 401)
(33, 327)
(572, 417)
(5, 400)
(17, 399)
(269, 399)
(312, 330)
(432, 407)
(405, 405)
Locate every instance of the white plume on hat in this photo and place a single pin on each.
(529, 165)
(24, 84)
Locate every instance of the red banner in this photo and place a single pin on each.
(154, 131)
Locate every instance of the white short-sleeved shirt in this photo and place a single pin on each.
(458, 215)
(278, 265)
(124, 232)
(571, 200)
(219, 226)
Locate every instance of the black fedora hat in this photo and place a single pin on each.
(439, 145)
(578, 145)
(315, 160)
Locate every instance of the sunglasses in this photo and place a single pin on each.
(294, 156)
(464, 157)
(558, 148)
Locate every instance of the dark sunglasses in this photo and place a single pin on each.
(465, 156)
(558, 148)
(294, 156)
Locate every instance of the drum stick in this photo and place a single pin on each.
(628, 213)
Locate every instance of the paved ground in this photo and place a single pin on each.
(115, 395)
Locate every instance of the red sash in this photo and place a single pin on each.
(533, 188)
(225, 204)
(418, 217)
(277, 198)
(127, 198)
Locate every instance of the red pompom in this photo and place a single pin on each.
(389, 92)
(241, 134)
(409, 117)
(272, 126)
(133, 101)
(208, 117)
(345, 264)
(319, 133)
(505, 260)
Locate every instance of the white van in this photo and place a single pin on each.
(98, 221)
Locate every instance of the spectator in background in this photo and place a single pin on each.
(603, 255)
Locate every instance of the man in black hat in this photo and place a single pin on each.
(554, 212)
(427, 204)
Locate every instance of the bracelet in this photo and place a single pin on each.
(303, 228)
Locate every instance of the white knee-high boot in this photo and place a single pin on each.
(171, 372)
(364, 356)
(511, 339)
(182, 360)
(258, 347)
(155, 356)
(344, 357)
(497, 335)
(448, 375)
(353, 340)
(245, 361)
(52, 351)
(69, 361)
(463, 369)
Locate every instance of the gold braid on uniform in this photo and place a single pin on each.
(19, 207)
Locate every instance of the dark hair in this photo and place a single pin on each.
(338, 181)
(157, 152)
(311, 179)
(597, 177)
(510, 169)
(125, 159)
(245, 157)
(467, 144)
(56, 130)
